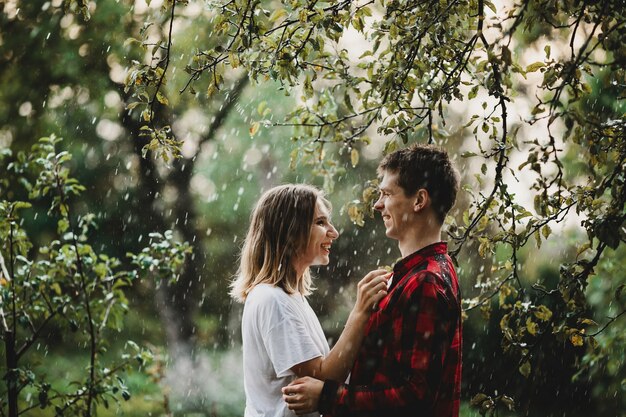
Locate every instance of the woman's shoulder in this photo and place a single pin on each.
(263, 293)
(266, 296)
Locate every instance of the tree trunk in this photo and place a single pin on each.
(176, 302)
(11, 372)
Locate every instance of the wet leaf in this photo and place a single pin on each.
(525, 369)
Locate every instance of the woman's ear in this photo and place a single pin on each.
(422, 200)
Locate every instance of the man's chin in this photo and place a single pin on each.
(391, 235)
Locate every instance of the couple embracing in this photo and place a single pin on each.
(400, 351)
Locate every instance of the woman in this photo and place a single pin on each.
(290, 230)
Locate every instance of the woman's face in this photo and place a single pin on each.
(320, 240)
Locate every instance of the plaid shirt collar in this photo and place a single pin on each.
(403, 266)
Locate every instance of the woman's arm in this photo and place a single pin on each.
(338, 363)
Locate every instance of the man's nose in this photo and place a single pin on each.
(378, 205)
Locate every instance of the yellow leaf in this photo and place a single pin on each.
(531, 326)
(304, 16)
(356, 215)
(505, 291)
(278, 14)
(56, 287)
(354, 157)
(162, 99)
(254, 128)
(211, 90)
(543, 313)
(524, 369)
(261, 107)
(233, 59)
(576, 339)
(587, 322)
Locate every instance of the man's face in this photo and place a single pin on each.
(395, 207)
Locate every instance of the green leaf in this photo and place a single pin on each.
(390, 147)
(129, 41)
(63, 225)
(358, 24)
(535, 66)
(21, 205)
(473, 92)
(525, 369)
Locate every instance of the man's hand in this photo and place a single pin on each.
(302, 395)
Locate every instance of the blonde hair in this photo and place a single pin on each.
(280, 225)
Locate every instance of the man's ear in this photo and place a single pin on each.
(422, 200)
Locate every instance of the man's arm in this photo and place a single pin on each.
(415, 333)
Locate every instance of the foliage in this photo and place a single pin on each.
(74, 88)
(421, 60)
(66, 284)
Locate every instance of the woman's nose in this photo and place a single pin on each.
(332, 232)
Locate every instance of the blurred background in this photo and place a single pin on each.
(62, 75)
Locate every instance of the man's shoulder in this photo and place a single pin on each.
(431, 281)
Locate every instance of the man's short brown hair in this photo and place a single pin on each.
(428, 167)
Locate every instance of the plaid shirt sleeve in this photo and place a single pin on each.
(418, 330)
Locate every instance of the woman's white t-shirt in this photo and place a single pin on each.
(279, 331)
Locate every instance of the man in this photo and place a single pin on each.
(410, 360)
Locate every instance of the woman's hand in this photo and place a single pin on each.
(370, 290)
(337, 364)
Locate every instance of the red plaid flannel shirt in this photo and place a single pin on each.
(410, 360)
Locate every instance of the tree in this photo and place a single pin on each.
(74, 87)
(543, 79)
(65, 284)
